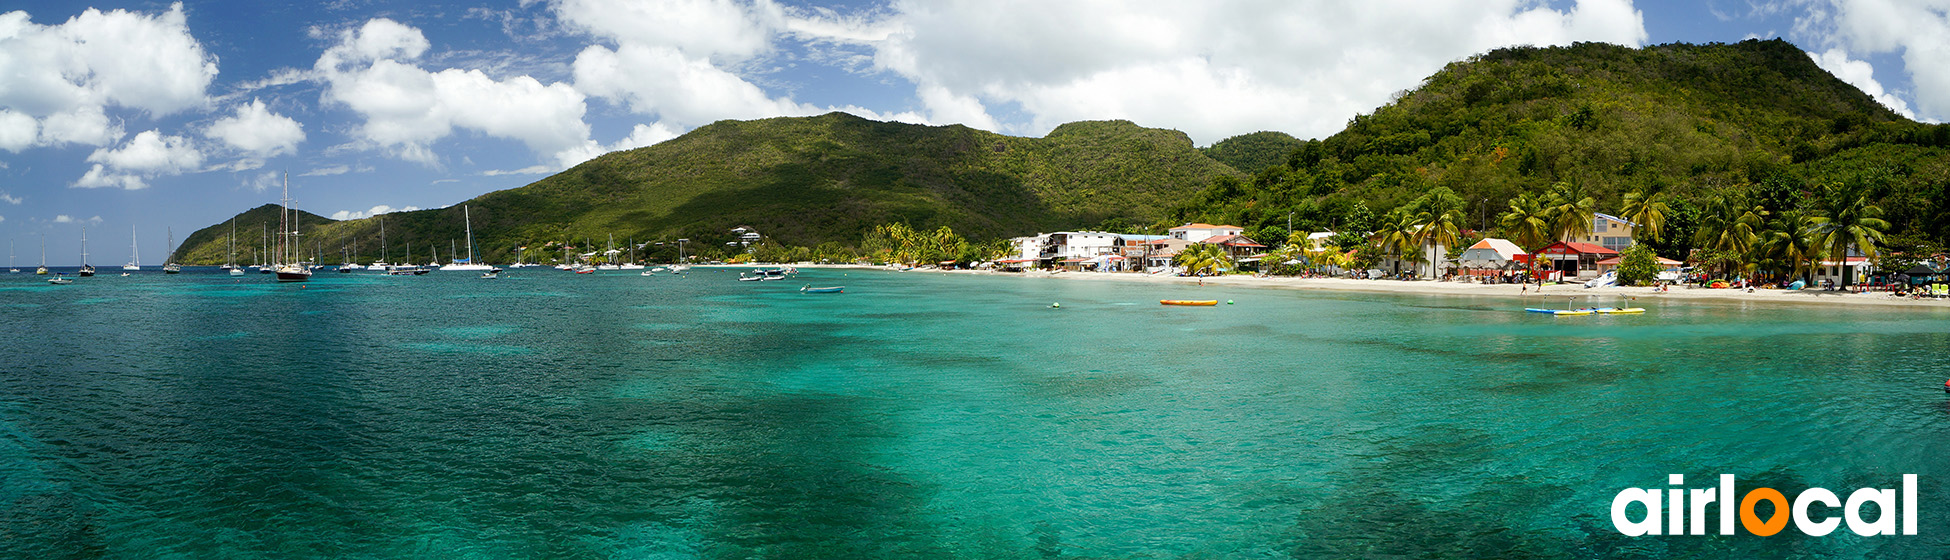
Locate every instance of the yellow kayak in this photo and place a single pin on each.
(1189, 301)
(1620, 311)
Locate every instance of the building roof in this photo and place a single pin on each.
(1231, 241)
(1204, 226)
(1563, 247)
(1665, 262)
(1615, 219)
(1502, 246)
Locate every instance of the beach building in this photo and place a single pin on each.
(1239, 247)
(1159, 252)
(1197, 232)
(1855, 267)
(1608, 231)
(1492, 255)
(1575, 259)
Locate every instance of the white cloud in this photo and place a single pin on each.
(149, 154)
(1212, 69)
(66, 219)
(1861, 75)
(10, 199)
(407, 109)
(1918, 28)
(17, 131)
(257, 131)
(640, 136)
(331, 170)
(67, 75)
(374, 211)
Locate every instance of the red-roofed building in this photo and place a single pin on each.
(1575, 259)
(1239, 246)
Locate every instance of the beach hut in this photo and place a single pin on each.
(1576, 259)
(1493, 253)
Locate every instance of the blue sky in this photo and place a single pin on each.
(155, 115)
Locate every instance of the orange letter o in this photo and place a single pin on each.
(1773, 524)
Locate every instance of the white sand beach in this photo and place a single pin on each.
(1553, 295)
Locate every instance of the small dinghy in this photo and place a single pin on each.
(1195, 302)
(827, 290)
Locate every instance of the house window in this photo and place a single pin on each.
(1598, 225)
(1618, 243)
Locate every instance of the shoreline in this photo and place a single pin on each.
(1558, 292)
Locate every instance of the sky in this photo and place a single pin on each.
(139, 119)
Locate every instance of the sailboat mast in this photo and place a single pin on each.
(469, 216)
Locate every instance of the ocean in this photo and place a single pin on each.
(923, 415)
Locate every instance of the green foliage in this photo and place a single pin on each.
(1638, 266)
(1698, 129)
(1253, 152)
(1203, 259)
(806, 181)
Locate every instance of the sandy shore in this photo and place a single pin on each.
(1554, 295)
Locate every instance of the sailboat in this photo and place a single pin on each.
(290, 270)
(135, 256)
(42, 271)
(469, 263)
(232, 266)
(169, 265)
(86, 269)
(632, 264)
(10, 258)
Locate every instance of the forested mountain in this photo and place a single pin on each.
(803, 181)
(1750, 124)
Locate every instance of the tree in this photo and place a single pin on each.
(1791, 238)
(1396, 233)
(1528, 222)
(1203, 259)
(1571, 210)
(1638, 265)
(1844, 218)
(1649, 212)
(1437, 229)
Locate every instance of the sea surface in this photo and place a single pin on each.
(917, 415)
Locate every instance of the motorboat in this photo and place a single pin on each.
(827, 290)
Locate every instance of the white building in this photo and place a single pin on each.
(1197, 232)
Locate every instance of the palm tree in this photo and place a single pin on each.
(1571, 210)
(1649, 212)
(1730, 227)
(1397, 232)
(1528, 222)
(1203, 258)
(1792, 238)
(1436, 229)
(1845, 218)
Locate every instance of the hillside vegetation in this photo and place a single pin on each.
(1750, 124)
(806, 181)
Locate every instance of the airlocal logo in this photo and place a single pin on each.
(1683, 505)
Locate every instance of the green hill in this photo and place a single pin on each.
(804, 181)
(1255, 151)
(1756, 121)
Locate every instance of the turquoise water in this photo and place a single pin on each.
(549, 415)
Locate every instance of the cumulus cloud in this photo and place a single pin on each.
(1861, 75)
(1920, 29)
(1212, 69)
(373, 71)
(10, 199)
(257, 131)
(64, 77)
(148, 155)
(370, 212)
(640, 136)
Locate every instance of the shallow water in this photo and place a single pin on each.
(553, 415)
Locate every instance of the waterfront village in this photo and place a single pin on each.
(1590, 256)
